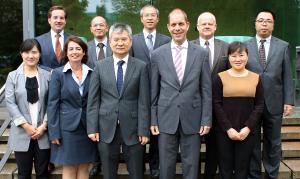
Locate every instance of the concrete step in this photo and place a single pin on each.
(291, 149)
(294, 166)
(8, 171)
(290, 133)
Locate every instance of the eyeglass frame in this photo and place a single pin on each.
(267, 21)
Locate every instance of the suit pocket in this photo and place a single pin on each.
(197, 104)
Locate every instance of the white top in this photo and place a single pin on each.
(153, 36)
(124, 66)
(61, 39)
(105, 43)
(85, 70)
(34, 108)
(266, 44)
(211, 45)
(183, 53)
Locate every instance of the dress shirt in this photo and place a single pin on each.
(153, 36)
(211, 45)
(124, 66)
(266, 44)
(33, 108)
(85, 70)
(61, 39)
(183, 53)
(105, 43)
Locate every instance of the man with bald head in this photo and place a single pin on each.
(207, 26)
(181, 99)
(98, 48)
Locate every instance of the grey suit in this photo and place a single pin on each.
(48, 59)
(278, 90)
(92, 56)
(119, 119)
(220, 64)
(17, 105)
(139, 48)
(180, 110)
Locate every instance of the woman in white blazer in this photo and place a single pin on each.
(26, 94)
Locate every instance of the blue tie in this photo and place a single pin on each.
(120, 76)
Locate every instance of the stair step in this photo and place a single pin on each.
(290, 133)
(294, 166)
(8, 170)
(291, 149)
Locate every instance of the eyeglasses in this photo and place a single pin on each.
(267, 21)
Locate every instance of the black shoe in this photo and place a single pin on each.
(154, 173)
(96, 170)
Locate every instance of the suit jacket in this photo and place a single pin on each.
(66, 107)
(139, 48)
(191, 102)
(48, 58)
(18, 109)
(92, 56)
(131, 107)
(276, 76)
(220, 56)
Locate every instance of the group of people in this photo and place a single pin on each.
(74, 103)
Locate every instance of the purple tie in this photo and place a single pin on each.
(262, 53)
(178, 63)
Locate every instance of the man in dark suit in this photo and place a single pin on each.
(206, 26)
(52, 42)
(119, 106)
(98, 48)
(142, 45)
(270, 57)
(181, 99)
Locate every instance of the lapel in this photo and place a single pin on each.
(86, 84)
(49, 39)
(189, 61)
(169, 61)
(197, 41)
(43, 86)
(273, 46)
(157, 42)
(253, 45)
(108, 50)
(93, 50)
(22, 82)
(110, 74)
(128, 75)
(141, 39)
(217, 50)
(72, 86)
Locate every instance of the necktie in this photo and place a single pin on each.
(262, 53)
(120, 76)
(101, 51)
(58, 50)
(149, 42)
(209, 53)
(178, 63)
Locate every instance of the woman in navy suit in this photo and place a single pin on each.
(26, 93)
(68, 94)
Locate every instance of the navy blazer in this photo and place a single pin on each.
(48, 58)
(66, 107)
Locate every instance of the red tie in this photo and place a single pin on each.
(58, 50)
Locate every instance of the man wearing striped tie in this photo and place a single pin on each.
(181, 109)
(270, 57)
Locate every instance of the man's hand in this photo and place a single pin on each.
(154, 130)
(204, 130)
(233, 134)
(287, 109)
(143, 140)
(55, 141)
(94, 137)
(244, 132)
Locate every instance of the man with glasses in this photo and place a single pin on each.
(270, 57)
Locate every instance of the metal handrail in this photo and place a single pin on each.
(2, 129)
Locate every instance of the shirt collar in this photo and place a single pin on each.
(68, 67)
(54, 33)
(210, 41)
(268, 39)
(117, 59)
(184, 44)
(104, 41)
(147, 33)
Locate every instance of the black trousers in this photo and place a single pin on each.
(153, 153)
(211, 159)
(110, 152)
(234, 156)
(40, 158)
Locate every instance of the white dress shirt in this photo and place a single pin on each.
(266, 44)
(211, 45)
(153, 36)
(124, 66)
(105, 43)
(34, 108)
(183, 53)
(61, 39)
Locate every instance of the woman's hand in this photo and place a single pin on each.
(29, 129)
(244, 132)
(39, 132)
(233, 134)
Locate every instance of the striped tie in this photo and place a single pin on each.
(262, 53)
(178, 63)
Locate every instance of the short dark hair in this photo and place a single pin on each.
(268, 11)
(237, 47)
(56, 8)
(81, 43)
(28, 44)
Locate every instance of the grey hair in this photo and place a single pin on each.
(119, 28)
(149, 5)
